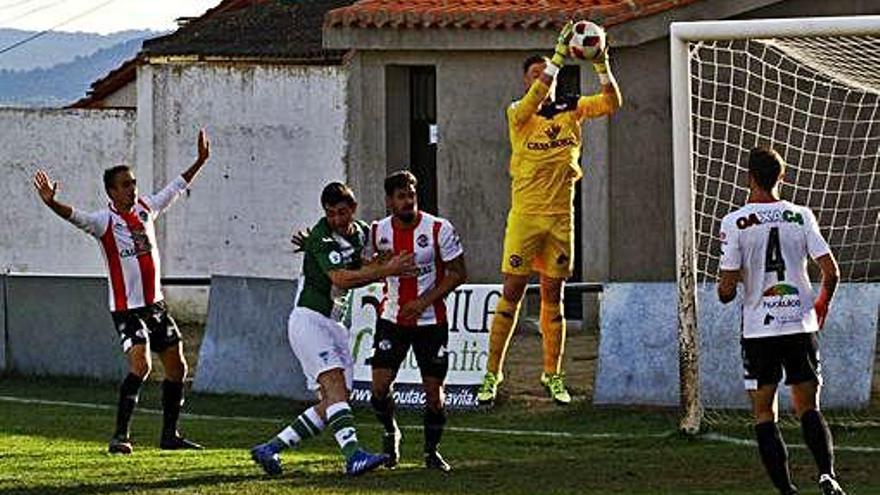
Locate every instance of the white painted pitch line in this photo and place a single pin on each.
(712, 437)
(717, 437)
(279, 421)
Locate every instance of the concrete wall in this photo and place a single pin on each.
(277, 136)
(638, 347)
(245, 349)
(628, 188)
(125, 97)
(2, 323)
(74, 146)
(73, 338)
(473, 152)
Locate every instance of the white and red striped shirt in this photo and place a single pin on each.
(434, 243)
(128, 242)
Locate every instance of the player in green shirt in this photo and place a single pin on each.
(333, 265)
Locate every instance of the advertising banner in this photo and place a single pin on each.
(469, 309)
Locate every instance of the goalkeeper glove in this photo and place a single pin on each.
(562, 44)
(600, 65)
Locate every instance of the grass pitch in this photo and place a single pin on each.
(60, 449)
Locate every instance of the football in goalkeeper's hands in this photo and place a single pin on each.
(587, 40)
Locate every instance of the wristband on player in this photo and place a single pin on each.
(551, 70)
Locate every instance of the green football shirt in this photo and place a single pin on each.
(325, 251)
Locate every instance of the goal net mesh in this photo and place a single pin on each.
(816, 101)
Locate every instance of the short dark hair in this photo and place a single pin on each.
(532, 60)
(111, 173)
(399, 180)
(766, 167)
(335, 193)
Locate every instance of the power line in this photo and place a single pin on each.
(62, 23)
(12, 5)
(33, 11)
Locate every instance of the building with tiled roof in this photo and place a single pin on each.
(491, 14)
(423, 84)
(241, 30)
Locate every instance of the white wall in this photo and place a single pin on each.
(124, 97)
(277, 136)
(74, 146)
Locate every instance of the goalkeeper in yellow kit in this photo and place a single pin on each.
(545, 137)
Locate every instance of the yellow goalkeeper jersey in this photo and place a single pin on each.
(546, 143)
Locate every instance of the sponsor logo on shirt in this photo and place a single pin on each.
(141, 244)
(770, 216)
(425, 269)
(552, 144)
(783, 305)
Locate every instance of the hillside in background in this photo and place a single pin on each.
(63, 83)
(58, 47)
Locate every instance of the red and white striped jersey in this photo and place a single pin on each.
(434, 243)
(128, 242)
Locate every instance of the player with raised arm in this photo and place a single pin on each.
(545, 138)
(765, 245)
(334, 263)
(126, 233)
(413, 312)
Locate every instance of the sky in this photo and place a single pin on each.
(110, 16)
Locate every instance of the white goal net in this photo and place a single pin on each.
(808, 87)
(817, 102)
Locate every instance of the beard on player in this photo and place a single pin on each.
(401, 197)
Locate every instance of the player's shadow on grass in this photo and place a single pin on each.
(203, 482)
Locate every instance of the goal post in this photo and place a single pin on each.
(809, 87)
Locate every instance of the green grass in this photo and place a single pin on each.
(52, 449)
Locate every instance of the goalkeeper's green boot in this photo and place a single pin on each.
(489, 388)
(555, 385)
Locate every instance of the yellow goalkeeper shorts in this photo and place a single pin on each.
(541, 243)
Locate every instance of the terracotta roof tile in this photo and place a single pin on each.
(491, 14)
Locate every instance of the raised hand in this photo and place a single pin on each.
(561, 50)
(204, 145)
(601, 57)
(45, 187)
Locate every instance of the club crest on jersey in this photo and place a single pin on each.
(384, 345)
(143, 215)
(335, 257)
(325, 356)
(562, 259)
(422, 241)
(552, 131)
(384, 241)
(516, 260)
(773, 216)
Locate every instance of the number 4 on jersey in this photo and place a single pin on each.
(773, 261)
